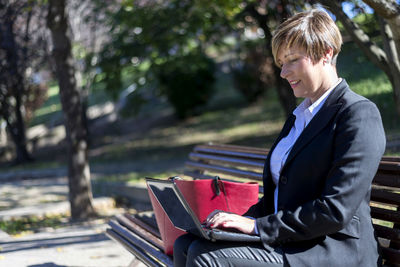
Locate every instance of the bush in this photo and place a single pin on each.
(187, 81)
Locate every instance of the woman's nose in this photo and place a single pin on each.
(284, 72)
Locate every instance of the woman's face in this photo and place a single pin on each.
(307, 78)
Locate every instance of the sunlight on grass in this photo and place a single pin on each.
(369, 87)
(48, 109)
(27, 225)
(182, 135)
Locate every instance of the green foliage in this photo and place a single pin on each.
(367, 22)
(32, 223)
(187, 81)
(368, 80)
(146, 35)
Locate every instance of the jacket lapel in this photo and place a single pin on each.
(285, 131)
(321, 119)
(269, 185)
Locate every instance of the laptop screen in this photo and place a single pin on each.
(179, 213)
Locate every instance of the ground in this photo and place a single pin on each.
(67, 244)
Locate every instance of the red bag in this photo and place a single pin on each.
(204, 196)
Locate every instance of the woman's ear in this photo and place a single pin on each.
(327, 59)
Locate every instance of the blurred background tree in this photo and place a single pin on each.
(147, 35)
(383, 52)
(22, 51)
(80, 193)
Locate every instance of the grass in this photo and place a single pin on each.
(25, 225)
(368, 80)
(51, 109)
(226, 119)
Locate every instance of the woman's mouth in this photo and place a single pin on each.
(294, 83)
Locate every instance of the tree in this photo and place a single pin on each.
(13, 57)
(269, 14)
(386, 58)
(147, 34)
(80, 193)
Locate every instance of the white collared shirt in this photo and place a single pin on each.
(304, 114)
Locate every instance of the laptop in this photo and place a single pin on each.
(182, 216)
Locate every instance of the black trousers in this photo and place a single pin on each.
(189, 250)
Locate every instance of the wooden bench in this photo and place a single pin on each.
(139, 233)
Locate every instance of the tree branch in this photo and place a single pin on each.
(373, 52)
(386, 8)
(389, 10)
(393, 57)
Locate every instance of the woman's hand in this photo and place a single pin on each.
(222, 219)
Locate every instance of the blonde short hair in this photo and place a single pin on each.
(313, 30)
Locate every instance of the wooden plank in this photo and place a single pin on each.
(387, 180)
(140, 255)
(197, 175)
(385, 196)
(149, 227)
(220, 169)
(227, 160)
(390, 158)
(234, 148)
(143, 233)
(141, 245)
(389, 166)
(385, 214)
(243, 154)
(387, 232)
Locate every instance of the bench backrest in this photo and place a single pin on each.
(246, 163)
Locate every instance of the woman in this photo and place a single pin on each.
(317, 177)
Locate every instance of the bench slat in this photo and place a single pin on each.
(385, 196)
(226, 160)
(389, 166)
(385, 214)
(220, 169)
(150, 255)
(231, 153)
(387, 232)
(143, 257)
(198, 175)
(385, 179)
(140, 220)
(233, 148)
(142, 232)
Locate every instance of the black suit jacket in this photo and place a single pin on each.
(323, 216)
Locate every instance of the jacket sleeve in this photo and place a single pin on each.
(359, 143)
(255, 210)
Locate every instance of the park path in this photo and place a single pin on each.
(77, 244)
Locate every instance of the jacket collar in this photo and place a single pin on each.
(320, 120)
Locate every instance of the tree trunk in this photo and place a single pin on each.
(394, 61)
(387, 59)
(285, 92)
(12, 80)
(80, 193)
